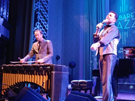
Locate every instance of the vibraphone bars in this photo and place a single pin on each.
(55, 77)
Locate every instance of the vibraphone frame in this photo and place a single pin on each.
(55, 77)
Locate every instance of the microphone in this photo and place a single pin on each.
(101, 24)
(104, 21)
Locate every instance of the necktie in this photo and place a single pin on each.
(39, 45)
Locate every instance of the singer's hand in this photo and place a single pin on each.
(105, 21)
(99, 25)
(94, 46)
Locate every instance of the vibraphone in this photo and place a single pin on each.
(55, 77)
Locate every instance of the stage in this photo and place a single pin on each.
(121, 97)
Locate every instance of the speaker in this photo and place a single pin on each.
(78, 96)
(3, 99)
(28, 94)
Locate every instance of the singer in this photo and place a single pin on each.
(105, 44)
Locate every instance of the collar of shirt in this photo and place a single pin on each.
(41, 41)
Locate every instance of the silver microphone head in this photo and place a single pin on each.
(104, 21)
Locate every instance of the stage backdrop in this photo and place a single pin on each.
(126, 24)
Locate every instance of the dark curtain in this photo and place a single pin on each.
(20, 20)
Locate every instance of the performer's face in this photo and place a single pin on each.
(38, 35)
(111, 18)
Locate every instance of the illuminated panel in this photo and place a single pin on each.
(41, 16)
(126, 24)
(4, 9)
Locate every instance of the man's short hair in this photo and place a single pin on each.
(39, 31)
(116, 16)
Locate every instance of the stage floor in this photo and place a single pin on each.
(121, 97)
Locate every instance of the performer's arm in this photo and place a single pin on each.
(111, 34)
(27, 57)
(96, 36)
(49, 52)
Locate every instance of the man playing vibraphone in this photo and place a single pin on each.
(42, 49)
